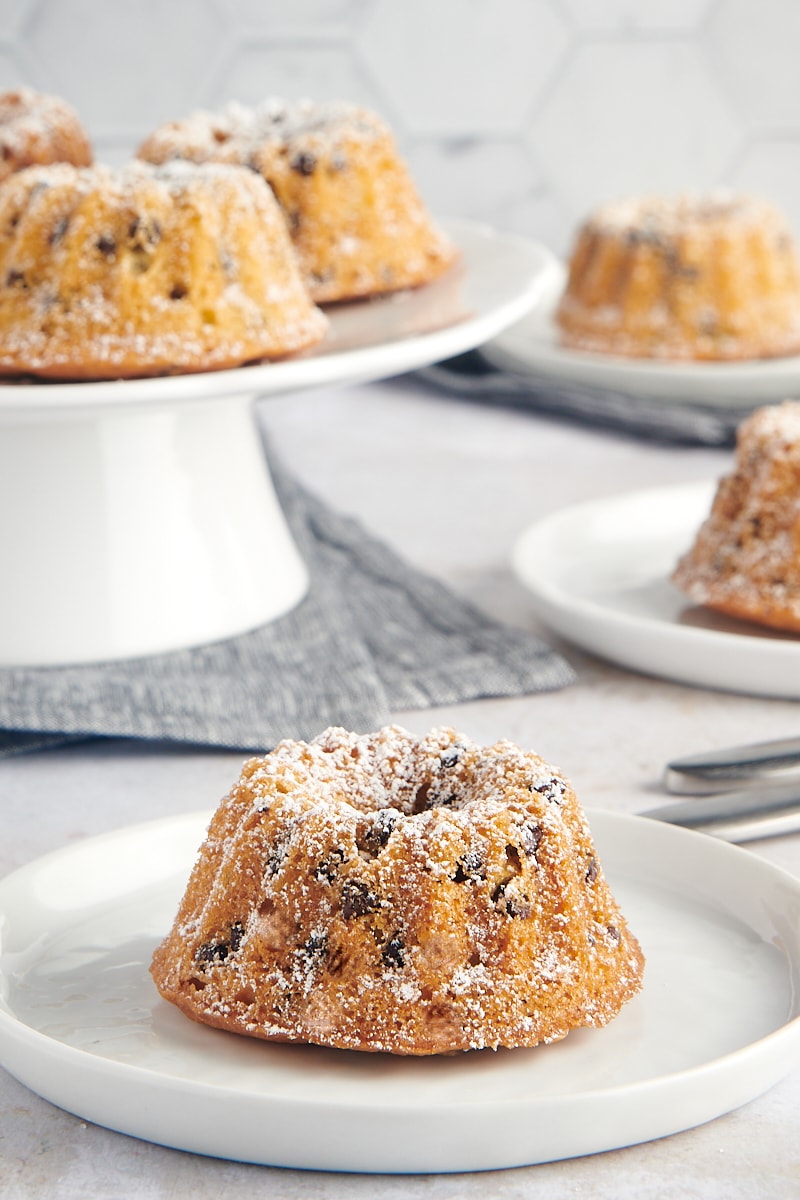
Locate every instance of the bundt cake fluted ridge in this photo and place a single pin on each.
(709, 278)
(112, 273)
(411, 895)
(354, 213)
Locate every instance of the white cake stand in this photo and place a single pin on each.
(139, 516)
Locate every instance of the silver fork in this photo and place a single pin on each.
(739, 793)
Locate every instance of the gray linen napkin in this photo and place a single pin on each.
(372, 635)
(472, 377)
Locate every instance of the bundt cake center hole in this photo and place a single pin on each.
(420, 802)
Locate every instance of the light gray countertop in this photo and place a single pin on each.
(450, 485)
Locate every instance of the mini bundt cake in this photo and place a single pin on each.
(745, 560)
(37, 129)
(388, 893)
(711, 278)
(354, 214)
(142, 271)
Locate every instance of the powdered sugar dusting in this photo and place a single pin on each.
(38, 128)
(671, 216)
(713, 277)
(142, 270)
(388, 892)
(238, 132)
(356, 219)
(745, 560)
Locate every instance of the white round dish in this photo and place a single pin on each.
(598, 573)
(139, 516)
(82, 1024)
(531, 347)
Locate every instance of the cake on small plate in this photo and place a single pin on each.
(745, 559)
(385, 892)
(684, 278)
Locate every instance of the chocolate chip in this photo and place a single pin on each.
(107, 244)
(179, 292)
(378, 833)
(393, 953)
(591, 871)
(212, 950)
(450, 756)
(357, 899)
(237, 933)
(469, 867)
(613, 934)
(328, 869)
(512, 906)
(219, 950)
(16, 279)
(304, 163)
(316, 946)
(553, 790)
(531, 838)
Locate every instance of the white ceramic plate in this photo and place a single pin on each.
(496, 279)
(82, 1024)
(598, 574)
(531, 347)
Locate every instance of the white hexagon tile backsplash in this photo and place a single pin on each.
(521, 113)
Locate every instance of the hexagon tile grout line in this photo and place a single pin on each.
(598, 145)
(444, 93)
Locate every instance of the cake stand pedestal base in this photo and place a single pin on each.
(137, 530)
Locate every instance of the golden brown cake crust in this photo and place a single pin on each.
(355, 216)
(714, 278)
(389, 893)
(36, 128)
(745, 560)
(109, 274)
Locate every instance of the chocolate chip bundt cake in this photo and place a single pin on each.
(416, 896)
(745, 560)
(355, 216)
(37, 129)
(142, 271)
(709, 278)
